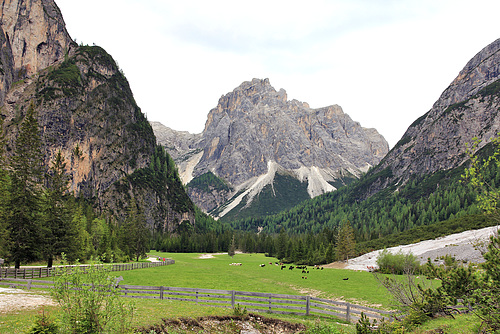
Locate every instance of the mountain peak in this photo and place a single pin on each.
(255, 126)
(468, 108)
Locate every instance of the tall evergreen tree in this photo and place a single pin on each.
(82, 245)
(345, 242)
(4, 199)
(60, 235)
(281, 245)
(232, 248)
(135, 234)
(26, 189)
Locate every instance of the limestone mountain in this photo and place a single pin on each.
(419, 182)
(85, 109)
(259, 149)
(437, 140)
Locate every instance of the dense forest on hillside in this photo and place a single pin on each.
(424, 200)
(428, 207)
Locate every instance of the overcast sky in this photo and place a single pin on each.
(385, 62)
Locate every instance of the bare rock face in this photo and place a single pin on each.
(254, 124)
(36, 33)
(467, 108)
(255, 132)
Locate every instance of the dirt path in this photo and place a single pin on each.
(18, 300)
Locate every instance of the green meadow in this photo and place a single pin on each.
(192, 271)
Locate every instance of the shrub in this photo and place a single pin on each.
(43, 325)
(321, 328)
(89, 301)
(239, 311)
(398, 263)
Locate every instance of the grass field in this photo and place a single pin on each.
(190, 271)
(215, 273)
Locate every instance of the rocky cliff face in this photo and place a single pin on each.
(255, 133)
(84, 106)
(437, 141)
(35, 32)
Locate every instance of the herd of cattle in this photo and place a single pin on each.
(282, 266)
(304, 269)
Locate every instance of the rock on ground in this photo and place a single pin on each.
(459, 245)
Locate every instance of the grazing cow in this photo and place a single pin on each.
(283, 267)
(291, 268)
(345, 279)
(262, 265)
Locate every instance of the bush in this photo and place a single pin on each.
(239, 311)
(321, 328)
(44, 325)
(398, 263)
(89, 301)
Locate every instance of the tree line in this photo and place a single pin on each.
(423, 201)
(208, 237)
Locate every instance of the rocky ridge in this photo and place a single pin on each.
(436, 141)
(85, 109)
(255, 132)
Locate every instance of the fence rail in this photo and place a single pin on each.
(252, 301)
(43, 272)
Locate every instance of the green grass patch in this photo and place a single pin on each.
(215, 273)
(462, 324)
(190, 271)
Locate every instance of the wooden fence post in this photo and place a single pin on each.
(233, 297)
(28, 286)
(270, 303)
(308, 305)
(196, 297)
(348, 313)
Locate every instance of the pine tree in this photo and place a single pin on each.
(345, 242)
(82, 245)
(26, 189)
(281, 246)
(135, 233)
(4, 199)
(232, 248)
(60, 235)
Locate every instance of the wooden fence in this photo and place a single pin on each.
(39, 272)
(252, 301)
(257, 301)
